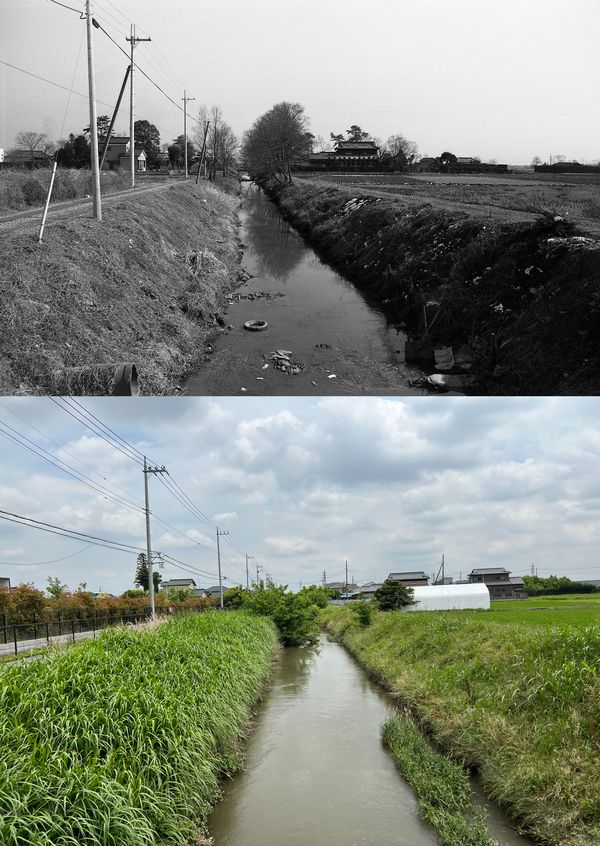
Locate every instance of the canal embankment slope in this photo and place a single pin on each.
(520, 298)
(124, 740)
(146, 286)
(517, 704)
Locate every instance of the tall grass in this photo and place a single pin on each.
(21, 189)
(520, 704)
(442, 787)
(122, 741)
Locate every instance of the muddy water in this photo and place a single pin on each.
(340, 342)
(316, 773)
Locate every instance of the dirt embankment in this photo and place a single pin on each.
(145, 286)
(524, 299)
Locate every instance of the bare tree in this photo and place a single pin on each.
(399, 144)
(274, 140)
(32, 141)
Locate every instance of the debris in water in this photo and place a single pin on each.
(265, 365)
(332, 376)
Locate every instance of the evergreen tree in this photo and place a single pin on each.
(393, 595)
(141, 574)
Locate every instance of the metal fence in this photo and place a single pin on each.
(19, 637)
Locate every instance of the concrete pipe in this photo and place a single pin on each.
(118, 380)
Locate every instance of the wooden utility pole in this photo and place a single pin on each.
(133, 41)
(201, 162)
(186, 100)
(97, 199)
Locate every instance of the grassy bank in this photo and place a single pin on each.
(518, 703)
(145, 286)
(523, 297)
(122, 741)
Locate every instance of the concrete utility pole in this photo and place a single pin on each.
(258, 569)
(186, 100)
(97, 200)
(133, 41)
(346, 583)
(248, 558)
(219, 533)
(147, 470)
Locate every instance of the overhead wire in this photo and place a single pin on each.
(49, 81)
(42, 563)
(40, 525)
(80, 419)
(39, 451)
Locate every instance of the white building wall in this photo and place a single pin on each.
(450, 597)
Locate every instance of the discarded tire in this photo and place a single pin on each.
(255, 325)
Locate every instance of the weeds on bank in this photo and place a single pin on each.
(441, 786)
(123, 740)
(21, 189)
(519, 704)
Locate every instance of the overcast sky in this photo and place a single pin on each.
(304, 483)
(503, 79)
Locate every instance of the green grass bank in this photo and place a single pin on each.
(524, 298)
(122, 741)
(146, 287)
(519, 704)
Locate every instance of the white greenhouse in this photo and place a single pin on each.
(449, 597)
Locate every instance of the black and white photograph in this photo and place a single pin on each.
(299, 423)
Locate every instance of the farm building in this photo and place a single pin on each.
(178, 584)
(4, 583)
(500, 583)
(117, 154)
(411, 579)
(450, 597)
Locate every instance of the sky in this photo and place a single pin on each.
(499, 79)
(303, 484)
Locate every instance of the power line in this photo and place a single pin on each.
(80, 419)
(70, 471)
(89, 414)
(80, 12)
(40, 563)
(40, 525)
(50, 82)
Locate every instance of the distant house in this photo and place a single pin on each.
(4, 583)
(117, 154)
(411, 578)
(428, 164)
(499, 582)
(178, 584)
(26, 159)
(357, 156)
(213, 592)
(368, 591)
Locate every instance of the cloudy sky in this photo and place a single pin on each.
(504, 79)
(303, 484)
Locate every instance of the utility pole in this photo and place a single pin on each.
(324, 578)
(346, 582)
(147, 471)
(97, 200)
(258, 569)
(248, 558)
(219, 533)
(133, 41)
(186, 100)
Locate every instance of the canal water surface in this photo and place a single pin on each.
(341, 344)
(316, 773)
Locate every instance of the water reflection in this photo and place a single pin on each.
(272, 256)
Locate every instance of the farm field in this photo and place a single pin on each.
(517, 703)
(513, 197)
(563, 610)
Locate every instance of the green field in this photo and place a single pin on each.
(564, 610)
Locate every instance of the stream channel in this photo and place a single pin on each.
(342, 345)
(316, 773)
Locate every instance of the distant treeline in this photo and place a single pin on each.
(567, 167)
(538, 586)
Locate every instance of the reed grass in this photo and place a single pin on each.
(519, 704)
(442, 788)
(122, 741)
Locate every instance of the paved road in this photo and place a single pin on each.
(42, 643)
(30, 220)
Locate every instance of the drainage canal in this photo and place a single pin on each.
(334, 342)
(316, 773)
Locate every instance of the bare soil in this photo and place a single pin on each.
(145, 286)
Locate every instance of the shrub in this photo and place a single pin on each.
(364, 612)
(33, 191)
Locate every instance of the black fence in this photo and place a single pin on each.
(44, 632)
